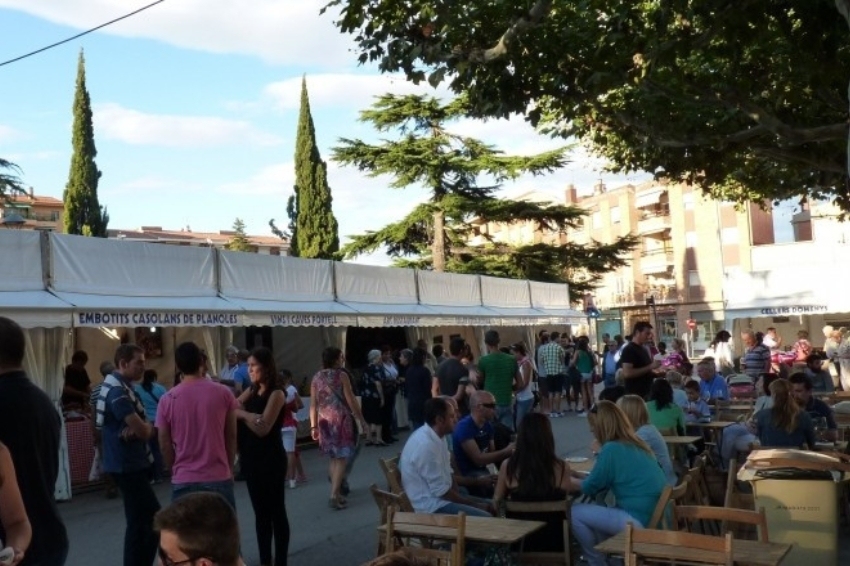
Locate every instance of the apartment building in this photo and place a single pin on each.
(37, 212)
(687, 243)
(267, 245)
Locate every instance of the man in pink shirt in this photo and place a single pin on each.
(196, 421)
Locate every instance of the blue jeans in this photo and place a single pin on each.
(592, 524)
(452, 508)
(522, 409)
(223, 488)
(505, 415)
(140, 505)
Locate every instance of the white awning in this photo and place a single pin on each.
(117, 283)
(456, 297)
(23, 297)
(780, 292)
(649, 197)
(282, 291)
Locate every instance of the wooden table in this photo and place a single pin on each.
(581, 467)
(680, 440)
(489, 530)
(715, 429)
(749, 552)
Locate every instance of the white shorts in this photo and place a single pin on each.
(288, 437)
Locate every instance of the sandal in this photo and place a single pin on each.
(337, 503)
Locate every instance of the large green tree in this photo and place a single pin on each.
(314, 232)
(83, 213)
(746, 99)
(438, 233)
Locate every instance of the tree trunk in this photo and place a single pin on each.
(438, 248)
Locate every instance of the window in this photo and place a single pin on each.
(688, 201)
(729, 235)
(615, 215)
(667, 330)
(690, 239)
(693, 279)
(596, 219)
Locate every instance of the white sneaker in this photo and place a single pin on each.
(292, 484)
(583, 414)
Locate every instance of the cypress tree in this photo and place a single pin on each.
(83, 213)
(239, 242)
(315, 230)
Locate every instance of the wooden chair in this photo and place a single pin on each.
(735, 498)
(661, 515)
(695, 517)
(698, 487)
(715, 551)
(452, 527)
(384, 500)
(392, 473)
(514, 508)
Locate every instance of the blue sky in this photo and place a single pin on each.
(195, 107)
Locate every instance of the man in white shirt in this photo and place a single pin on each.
(426, 470)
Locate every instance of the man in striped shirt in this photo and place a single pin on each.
(551, 358)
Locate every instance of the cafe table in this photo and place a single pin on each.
(680, 440)
(715, 430)
(580, 464)
(744, 552)
(487, 530)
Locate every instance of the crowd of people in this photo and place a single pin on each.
(480, 431)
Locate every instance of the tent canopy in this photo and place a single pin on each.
(553, 299)
(111, 282)
(457, 297)
(283, 291)
(382, 296)
(23, 297)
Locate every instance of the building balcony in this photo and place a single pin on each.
(664, 295)
(655, 262)
(654, 221)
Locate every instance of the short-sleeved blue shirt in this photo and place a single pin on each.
(121, 456)
(240, 375)
(466, 429)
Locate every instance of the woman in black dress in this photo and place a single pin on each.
(372, 398)
(262, 456)
(417, 384)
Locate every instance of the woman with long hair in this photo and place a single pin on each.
(584, 360)
(13, 515)
(524, 394)
(635, 409)
(664, 413)
(677, 358)
(150, 392)
(627, 468)
(333, 410)
(721, 350)
(535, 473)
(785, 425)
(262, 456)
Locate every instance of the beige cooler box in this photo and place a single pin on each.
(800, 492)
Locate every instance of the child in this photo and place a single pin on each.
(290, 424)
(697, 408)
(679, 396)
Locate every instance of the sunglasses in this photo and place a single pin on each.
(489, 405)
(166, 561)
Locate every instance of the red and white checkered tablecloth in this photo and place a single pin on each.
(80, 449)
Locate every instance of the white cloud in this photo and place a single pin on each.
(139, 128)
(281, 32)
(272, 180)
(8, 134)
(342, 90)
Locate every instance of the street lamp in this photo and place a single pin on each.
(650, 302)
(12, 219)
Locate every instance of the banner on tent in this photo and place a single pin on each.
(141, 318)
(299, 319)
(782, 310)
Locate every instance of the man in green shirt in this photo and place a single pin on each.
(500, 374)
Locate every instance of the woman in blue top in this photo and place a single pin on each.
(628, 469)
(150, 392)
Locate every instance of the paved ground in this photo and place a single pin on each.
(320, 536)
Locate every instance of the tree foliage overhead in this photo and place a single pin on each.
(312, 224)
(10, 182)
(239, 242)
(746, 99)
(83, 213)
(436, 234)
